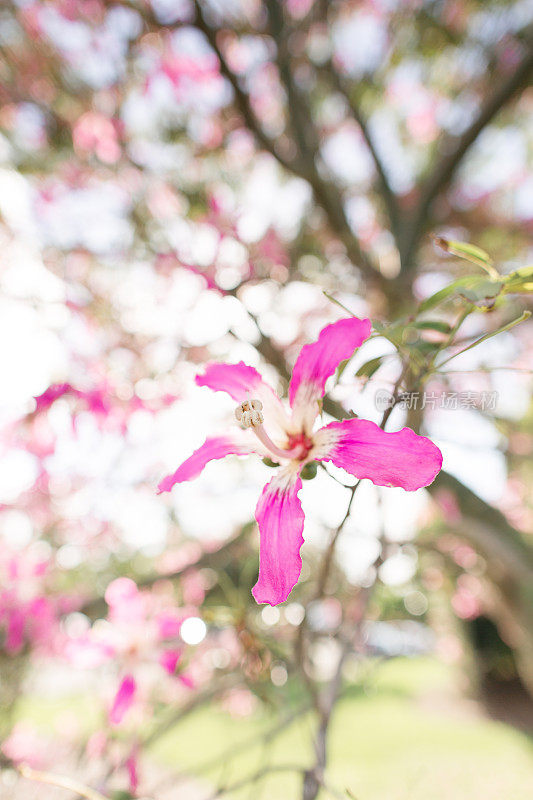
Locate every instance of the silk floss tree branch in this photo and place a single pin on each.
(289, 436)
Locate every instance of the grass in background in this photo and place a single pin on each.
(405, 736)
(402, 733)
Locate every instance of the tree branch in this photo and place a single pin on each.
(214, 559)
(326, 194)
(389, 197)
(241, 97)
(444, 171)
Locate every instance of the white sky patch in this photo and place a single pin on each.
(34, 357)
(347, 157)
(18, 471)
(267, 201)
(511, 146)
(360, 42)
(95, 218)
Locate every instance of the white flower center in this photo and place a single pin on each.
(250, 415)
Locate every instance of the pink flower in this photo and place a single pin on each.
(169, 659)
(359, 446)
(123, 700)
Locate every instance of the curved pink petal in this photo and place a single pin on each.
(362, 448)
(242, 382)
(169, 659)
(123, 700)
(318, 360)
(213, 448)
(53, 393)
(281, 520)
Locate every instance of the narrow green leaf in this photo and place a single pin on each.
(433, 325)
(474, 288)
(519, 281)
(483, 290)
(525, 315)
(337, 302)
(367, 369)
(423, 347)
(469, 252)
(342, 366)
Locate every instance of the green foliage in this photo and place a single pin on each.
(469, 252)
(309, 471)
(367, 369)
(476, 289)
(269, 463)
(469, 292)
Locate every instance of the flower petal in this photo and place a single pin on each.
(319, 360)
(53, 393)
(281, 520)
(123, 700)
(235, 379)
(213, 448)
(169, 659)
(242, 382)
(362, 448)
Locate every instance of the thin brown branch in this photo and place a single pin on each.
(215, 558)
(62, 782)
(446, 168)
(242, 98)
(328, 558)
(326, 194)
(314, 777)
(228, 681)
(257, 776)
(307, 138)
(298, 110)
(343, 88)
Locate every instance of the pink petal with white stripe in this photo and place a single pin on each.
(318, 361)
(213, 448)
(281, 520)
(123, 700)
(242, 382)
(362, 448)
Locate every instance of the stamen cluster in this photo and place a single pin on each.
(249, 413)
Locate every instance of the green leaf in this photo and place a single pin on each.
(433, 325)
(423, 347)
(367, 369)
(484, 290)
(447, 292)
(519, 281)
(525, 315)
(309, 471)
(469, 252)
(337, 302)
(474, 288)
(340, 369)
